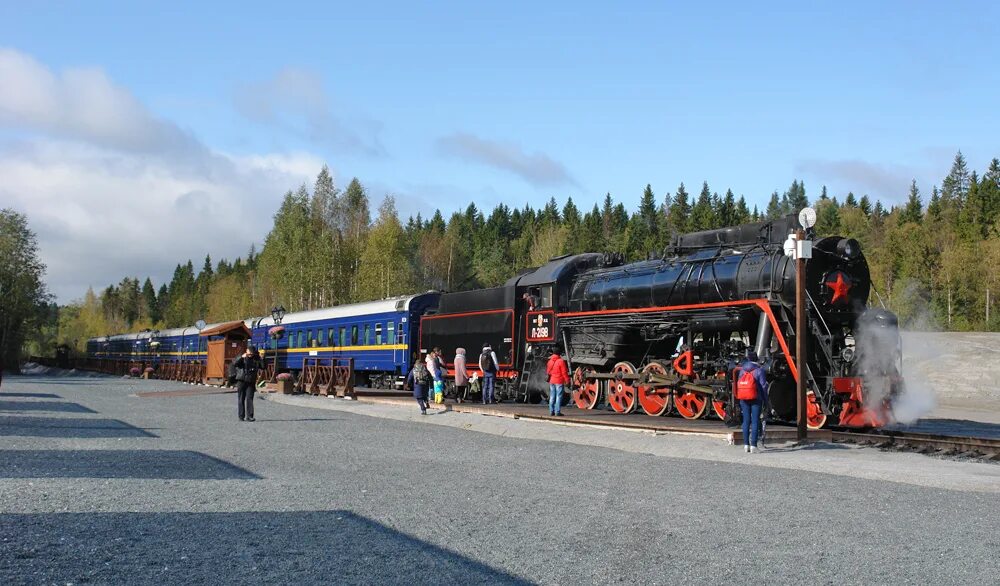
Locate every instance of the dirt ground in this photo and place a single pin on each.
(959, 371)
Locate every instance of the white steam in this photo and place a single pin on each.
(879, 355)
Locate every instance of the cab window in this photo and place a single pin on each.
(545, 296)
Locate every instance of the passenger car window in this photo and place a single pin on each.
(378, 334)
(368, 334)
(354, 335)
(390, 333)
(343, 336)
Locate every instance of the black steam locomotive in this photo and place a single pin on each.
(665, 334)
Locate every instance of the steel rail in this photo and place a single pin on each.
(988, 447)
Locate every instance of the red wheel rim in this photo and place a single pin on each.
(587, 393)
(719, 408)
(622, 393)
(654, 400)
(690, 405)
(815, 418)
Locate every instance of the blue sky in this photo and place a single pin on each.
(446, 104)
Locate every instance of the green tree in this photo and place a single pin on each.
(680, 212)
(774, 208)
(913, 211)
(727, 214)
(21, 289)
(702, 214)
(384, 271)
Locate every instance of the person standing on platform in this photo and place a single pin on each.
(751, 391)
(417, 381)
(489, 365)
(461, 376)
(558, 379)
(247, 366)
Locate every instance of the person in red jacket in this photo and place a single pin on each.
(558, 378)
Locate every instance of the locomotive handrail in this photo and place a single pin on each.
(818, 313)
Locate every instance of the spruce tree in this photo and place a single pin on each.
(989, 190)
(743, 211)
(955, 186)
(912, 211)
(796, 197)
(934, 206)
(727, 215)
(702, 214)
(866, 205)
(149, 305)
(647, 209)
(774, 207)
(680, 211)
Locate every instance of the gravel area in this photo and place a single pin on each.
(175, 490)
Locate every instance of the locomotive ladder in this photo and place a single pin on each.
(523, 379)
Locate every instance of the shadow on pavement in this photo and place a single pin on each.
(962, 427)
(270, 420)
(68, 427)
(159, 464)
(328, 547)
(31, 395)
(53, 406)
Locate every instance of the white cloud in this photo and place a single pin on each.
(112, 190)
(890, 183)
(102, 215)
(295, 100)
(537, 168)
(81, 104)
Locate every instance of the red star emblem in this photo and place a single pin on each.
(840, 287)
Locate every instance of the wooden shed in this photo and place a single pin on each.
(225, 343)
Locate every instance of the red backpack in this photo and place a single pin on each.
(746, 385)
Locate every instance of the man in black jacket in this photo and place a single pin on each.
(247, 366)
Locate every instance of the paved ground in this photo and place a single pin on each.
(100, 486)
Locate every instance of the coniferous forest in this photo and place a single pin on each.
(935, 258)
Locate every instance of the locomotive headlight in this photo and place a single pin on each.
(847, 354)
(849, 248)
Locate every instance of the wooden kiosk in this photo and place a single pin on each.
(225, 343)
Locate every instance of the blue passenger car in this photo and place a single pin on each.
(381, 337)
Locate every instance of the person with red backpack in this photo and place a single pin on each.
(751, 392)
(558, 379)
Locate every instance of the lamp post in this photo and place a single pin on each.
(801, 250)
(277, 314)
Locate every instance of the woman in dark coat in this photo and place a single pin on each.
(247, 366)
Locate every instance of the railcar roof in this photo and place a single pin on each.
(354, 309)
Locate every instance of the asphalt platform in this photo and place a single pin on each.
(120, 481)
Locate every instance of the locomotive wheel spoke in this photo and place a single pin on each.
(587, 394)
(719, 408)
(690, 405)
(622, 394)
(815, 418)
(654, 400)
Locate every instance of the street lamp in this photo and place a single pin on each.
(799, 248)
(277, 314)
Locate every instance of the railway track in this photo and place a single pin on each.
(925, 443)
